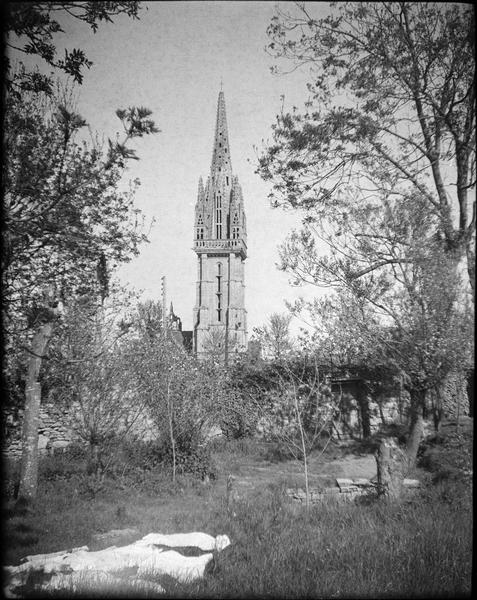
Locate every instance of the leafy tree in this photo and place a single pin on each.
(382, 161)
(88, 372)
(391, 118)
(180, 392)
(30, 29)
(274, 337)
(66, 225)
(421, 331)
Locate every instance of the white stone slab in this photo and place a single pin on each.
(79, 566)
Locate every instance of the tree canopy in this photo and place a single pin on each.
(390, 120)
(381, 161)
(30, 28)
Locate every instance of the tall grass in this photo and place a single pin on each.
(419, 548)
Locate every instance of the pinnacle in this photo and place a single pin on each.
(200, 190)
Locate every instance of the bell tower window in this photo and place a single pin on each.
(218, 216)
(219, 292)
(200, 228)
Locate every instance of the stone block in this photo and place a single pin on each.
(349, 489)
(362, 482)
(331, 490)
(411, 483)
(344, 482)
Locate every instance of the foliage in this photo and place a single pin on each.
(218, 346)
(88, 372)
(382, 161)
(180, 393)
(301, 406)
(447, 456)
(66, 224)
(31, 27)
(390, 120)
(274, 337)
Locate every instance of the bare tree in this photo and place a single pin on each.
(299, 413)
(274, 337)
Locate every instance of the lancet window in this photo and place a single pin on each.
(218, 216)
(219, 291)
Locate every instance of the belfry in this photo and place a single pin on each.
(220, 242)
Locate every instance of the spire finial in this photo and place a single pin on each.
(221, 84)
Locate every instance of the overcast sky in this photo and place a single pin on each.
(172, 61)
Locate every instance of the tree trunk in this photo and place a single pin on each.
(470, 255)
(390, 462)
(29, 463)
(303, 449)
(416, 426)
(94, 458)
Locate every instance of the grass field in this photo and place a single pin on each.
(421, 547)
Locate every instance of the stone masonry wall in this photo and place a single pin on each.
(56, 430)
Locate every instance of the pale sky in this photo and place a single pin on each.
(172, 60)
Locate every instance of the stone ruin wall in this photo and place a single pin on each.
(56, 430)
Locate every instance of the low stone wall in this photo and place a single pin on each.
(345, 490)
(57, 429)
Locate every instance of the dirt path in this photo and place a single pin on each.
(322, 473)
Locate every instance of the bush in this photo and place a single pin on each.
(277, 452)
(63, 466)
(196, 461)
(239, 422)
(447, 456)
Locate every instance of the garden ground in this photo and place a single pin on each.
(421, 547)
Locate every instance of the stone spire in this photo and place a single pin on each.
(221, 163)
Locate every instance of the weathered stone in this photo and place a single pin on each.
(43, 442)
(362, 482)
(349, 489)
(344, 482)
(103, 568)
(411, 483)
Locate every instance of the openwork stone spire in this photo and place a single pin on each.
(221, 162)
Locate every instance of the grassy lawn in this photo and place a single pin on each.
(422, 547)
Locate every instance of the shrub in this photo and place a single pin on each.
(192, 460)
(447, 456)
(63, 466)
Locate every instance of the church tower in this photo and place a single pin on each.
(220, 242)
